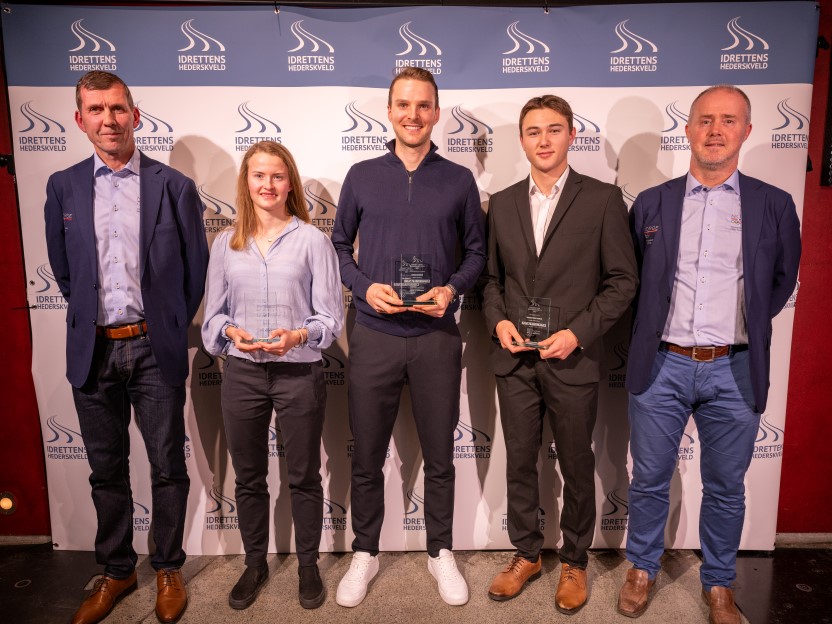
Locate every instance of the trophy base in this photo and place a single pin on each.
(529, 343)
(409, 303)
(253, 340)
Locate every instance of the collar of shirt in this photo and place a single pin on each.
(694, 186)
(533, 190)
(132, 167)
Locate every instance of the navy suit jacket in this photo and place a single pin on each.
(586, 267)
(173, 260)
(770, 258)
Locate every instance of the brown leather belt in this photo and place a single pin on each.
(703, 354)
(120, 332)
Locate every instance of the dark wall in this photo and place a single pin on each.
(805, 501)
(22, 469)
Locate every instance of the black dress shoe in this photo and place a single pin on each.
(246, 590)
(311, 592)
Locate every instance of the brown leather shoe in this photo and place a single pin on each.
(723, 609)
(103, 597)
(571, 594)
(511, 581)
(171, 597)
(635, 593)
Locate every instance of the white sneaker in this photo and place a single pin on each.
(353, 587)
(452, 586)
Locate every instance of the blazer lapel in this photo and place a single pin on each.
(673, 199)
(84, 208)
(151, 185)
(524, 215)
(570, 191)
(751, 199)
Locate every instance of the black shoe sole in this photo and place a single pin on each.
(246, 602)
(531, 579)
(313, 603)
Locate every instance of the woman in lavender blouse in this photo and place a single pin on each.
(273, 301)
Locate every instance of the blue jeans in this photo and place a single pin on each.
(719, 396)
(125, 373)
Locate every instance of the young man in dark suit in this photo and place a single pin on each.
(127, 246)
(561, 270)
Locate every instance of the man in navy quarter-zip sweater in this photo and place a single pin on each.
(410, 202)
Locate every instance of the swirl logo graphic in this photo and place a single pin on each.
(521, 39)
(221, 503)
(139, 509)
(357, 118)
(740, 35)
(47, 278)
(61, 432)
(331, 507)
(628, 197)
(215, 203)
(315, 204)
(304, 36)
(791, 116)
(87, 37)
(253, 120)
(196, 37)
(617, 504)
(473, 434)
(149, 123)
(582, 124)
(464, 120)
(273, 431)
(412, 39)
(620, 352)
(629, 38)
(416, 502)
(206, 357)
(768, 433)
(38, 119)
(677, 117)
(330, 361)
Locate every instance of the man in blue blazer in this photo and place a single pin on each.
(127, 247)
(718, 255)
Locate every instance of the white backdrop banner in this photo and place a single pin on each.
(211, 81)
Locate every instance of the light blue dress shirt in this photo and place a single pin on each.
(117, 207)
(707, 306)
(298, 280)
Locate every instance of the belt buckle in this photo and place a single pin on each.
(696, 351)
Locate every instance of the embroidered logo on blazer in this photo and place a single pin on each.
(650, 233)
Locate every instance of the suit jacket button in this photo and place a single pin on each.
(658, 334)
(668, 299)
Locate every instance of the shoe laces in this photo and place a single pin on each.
(167, 578)
(101, 584)
(447, 567)
(358, 568)
(569, 573)
(514, 565)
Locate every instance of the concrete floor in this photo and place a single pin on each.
(404, 591)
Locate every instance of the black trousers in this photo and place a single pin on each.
(297, 393)
(525, 396)
(379, 365)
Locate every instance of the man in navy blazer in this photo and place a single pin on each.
(718, 253)
(127, 247)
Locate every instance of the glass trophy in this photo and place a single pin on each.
(263, 313)
(533, 321)
(412, 278)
